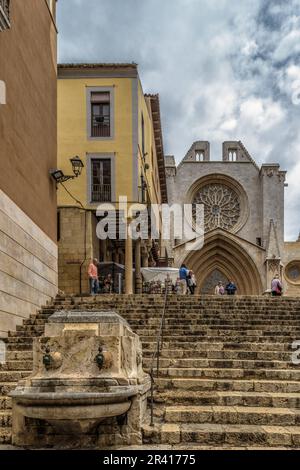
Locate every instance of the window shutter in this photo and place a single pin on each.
(100, 97)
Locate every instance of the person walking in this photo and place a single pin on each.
(93, 276)
(276, 286)
(183, 274)
(192, 282)
(231, 288)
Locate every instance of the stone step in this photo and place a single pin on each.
(218, 346)
(20, 346)
(144, 333)
(212, 329)
(5, 403)
(211, 338)
(232, 415)
(231, 398)
(246, 385)
(184, 304)
(19, 365)
(13, 376)
(199, 363)
(235, 364)
(35, 320)
(12, 340)
(5, 419)
(229, 373)
(218, 434)
(221, 354)
(19, 356)
(248, 313)
(6, 388)
(26, 333)
(5, 436)
(153, 323)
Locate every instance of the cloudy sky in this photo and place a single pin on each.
(224, 69)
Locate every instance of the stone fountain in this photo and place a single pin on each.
(88, 387)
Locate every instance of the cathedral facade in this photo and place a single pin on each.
(243, 217)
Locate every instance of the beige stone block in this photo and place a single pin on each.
(8, 207)
(8, 322)
(170, 433)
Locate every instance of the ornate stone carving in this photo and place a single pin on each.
(274, 265)
(4, 15)
(221, 206)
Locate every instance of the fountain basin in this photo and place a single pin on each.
(87, 380)
(73, 413)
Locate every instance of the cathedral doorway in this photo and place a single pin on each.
(223, 259)
(209, 284)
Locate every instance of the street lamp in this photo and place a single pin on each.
(60, 177)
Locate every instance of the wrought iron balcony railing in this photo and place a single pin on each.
(101, 193)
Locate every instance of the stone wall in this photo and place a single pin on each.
(28, 123)
(28, 266)
(75, 249)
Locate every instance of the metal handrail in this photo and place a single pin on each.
(156, 353)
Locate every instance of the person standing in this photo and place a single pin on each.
(231, 288)
(276, 286)
(93, 276)
(183, 275)
(108, 284)
(192, 283)
(219, 289)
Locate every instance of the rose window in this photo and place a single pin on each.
(221, 206)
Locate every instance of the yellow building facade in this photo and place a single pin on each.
(105, 119)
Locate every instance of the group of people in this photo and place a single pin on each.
(229, 289)
(97, 284)
(186, 283)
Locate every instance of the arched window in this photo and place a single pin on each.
(199, 156)
(232, 155)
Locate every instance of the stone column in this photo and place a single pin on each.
(138, 274)
(128, 264)
(145, 262)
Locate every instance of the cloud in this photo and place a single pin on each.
(225, 70)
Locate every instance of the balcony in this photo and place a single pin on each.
(101, 193)
(4, 15)
(101, 126)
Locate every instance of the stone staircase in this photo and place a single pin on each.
(226, 378)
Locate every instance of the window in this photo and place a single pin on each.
(199, 156)
(259, 241)
(292, 272)
(100, 180)
(100, 114)
(232, 155)
(4, 15)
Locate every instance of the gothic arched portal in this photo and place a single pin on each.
(221, 254)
